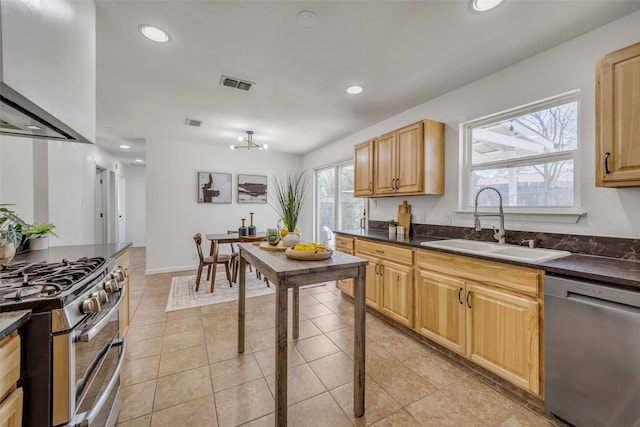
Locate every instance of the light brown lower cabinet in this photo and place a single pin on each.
(389, 279)
(11, 409)
(345, 245)
(373, 281)
(487, 311)
(503, 335)
(471, 307)
(397, 291)
(10, 396)
(441, 310)
(122, 261)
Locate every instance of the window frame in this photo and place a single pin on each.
(465, 204)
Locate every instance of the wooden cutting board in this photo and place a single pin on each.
(404, 216)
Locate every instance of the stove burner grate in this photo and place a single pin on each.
(24, 280)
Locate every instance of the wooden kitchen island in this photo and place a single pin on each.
(286, 273)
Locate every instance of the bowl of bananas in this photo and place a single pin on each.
(309, 252)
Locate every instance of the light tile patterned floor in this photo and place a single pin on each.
(182, 368)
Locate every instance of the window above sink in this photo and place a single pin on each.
(529, 153)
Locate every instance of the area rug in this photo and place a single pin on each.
(183, 291)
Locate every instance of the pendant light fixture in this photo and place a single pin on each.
(484, 5)
(250, 143)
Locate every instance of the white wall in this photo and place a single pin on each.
(173, 212)
(71, 190)
(49, 56)
(16, 175)
(136, 205)
(571, 65)
(70, 176)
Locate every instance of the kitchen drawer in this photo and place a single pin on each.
(344, 244)
(394, 253)
(512, 277)
(9, 362)
(11, 410)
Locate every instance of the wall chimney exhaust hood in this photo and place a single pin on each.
(23, 118)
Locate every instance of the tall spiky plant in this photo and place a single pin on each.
(289, 193)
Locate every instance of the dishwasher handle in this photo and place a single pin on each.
(603, 303)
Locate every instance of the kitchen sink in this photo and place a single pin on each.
(495, 250)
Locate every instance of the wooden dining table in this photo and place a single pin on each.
(288, 273)
(233, 238)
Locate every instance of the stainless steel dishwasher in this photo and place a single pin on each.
(592, 352)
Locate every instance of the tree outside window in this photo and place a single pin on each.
(528, 154)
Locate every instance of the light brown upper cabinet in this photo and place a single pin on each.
(618, 118)
(399, 161)
(363, 165)
(407, 161)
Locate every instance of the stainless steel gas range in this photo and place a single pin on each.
(72, 351)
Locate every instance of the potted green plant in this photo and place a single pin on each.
(11, 226)
(289, 195)
(38, 235)
(391, 225)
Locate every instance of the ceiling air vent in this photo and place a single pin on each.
(194, 123)
(235, 83)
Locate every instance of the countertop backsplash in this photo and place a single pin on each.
(613, 247)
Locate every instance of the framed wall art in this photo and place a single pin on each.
(252, 188)
(214, 187)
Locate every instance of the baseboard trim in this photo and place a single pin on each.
(170, 269)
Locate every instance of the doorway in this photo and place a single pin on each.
(101, 205)
(121, 221)
(112, 208)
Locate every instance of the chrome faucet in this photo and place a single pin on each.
(500, 235)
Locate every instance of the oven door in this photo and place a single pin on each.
(99, 355)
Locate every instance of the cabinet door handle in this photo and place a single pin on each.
(392, 184)
(381, 269)
(606, 163)
(379, 251)
(460, 296)
(370, 186)
(397, 183)
(468, 302)
(376, 269)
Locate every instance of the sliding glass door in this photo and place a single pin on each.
(336, 208)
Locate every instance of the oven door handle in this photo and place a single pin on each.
(88, 335)
(95, 410)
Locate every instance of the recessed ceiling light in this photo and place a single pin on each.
(354, 90)
(154, 33)
(484, 5)
(138, 160)
(33, 127)
(124, 146)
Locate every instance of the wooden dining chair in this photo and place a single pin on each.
(235, 260)
(211, 262)
(244, 239)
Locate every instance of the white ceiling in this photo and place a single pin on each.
(404, 53)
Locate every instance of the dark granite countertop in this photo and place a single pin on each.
(57, 253)
(614, 271)
(12, 320)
